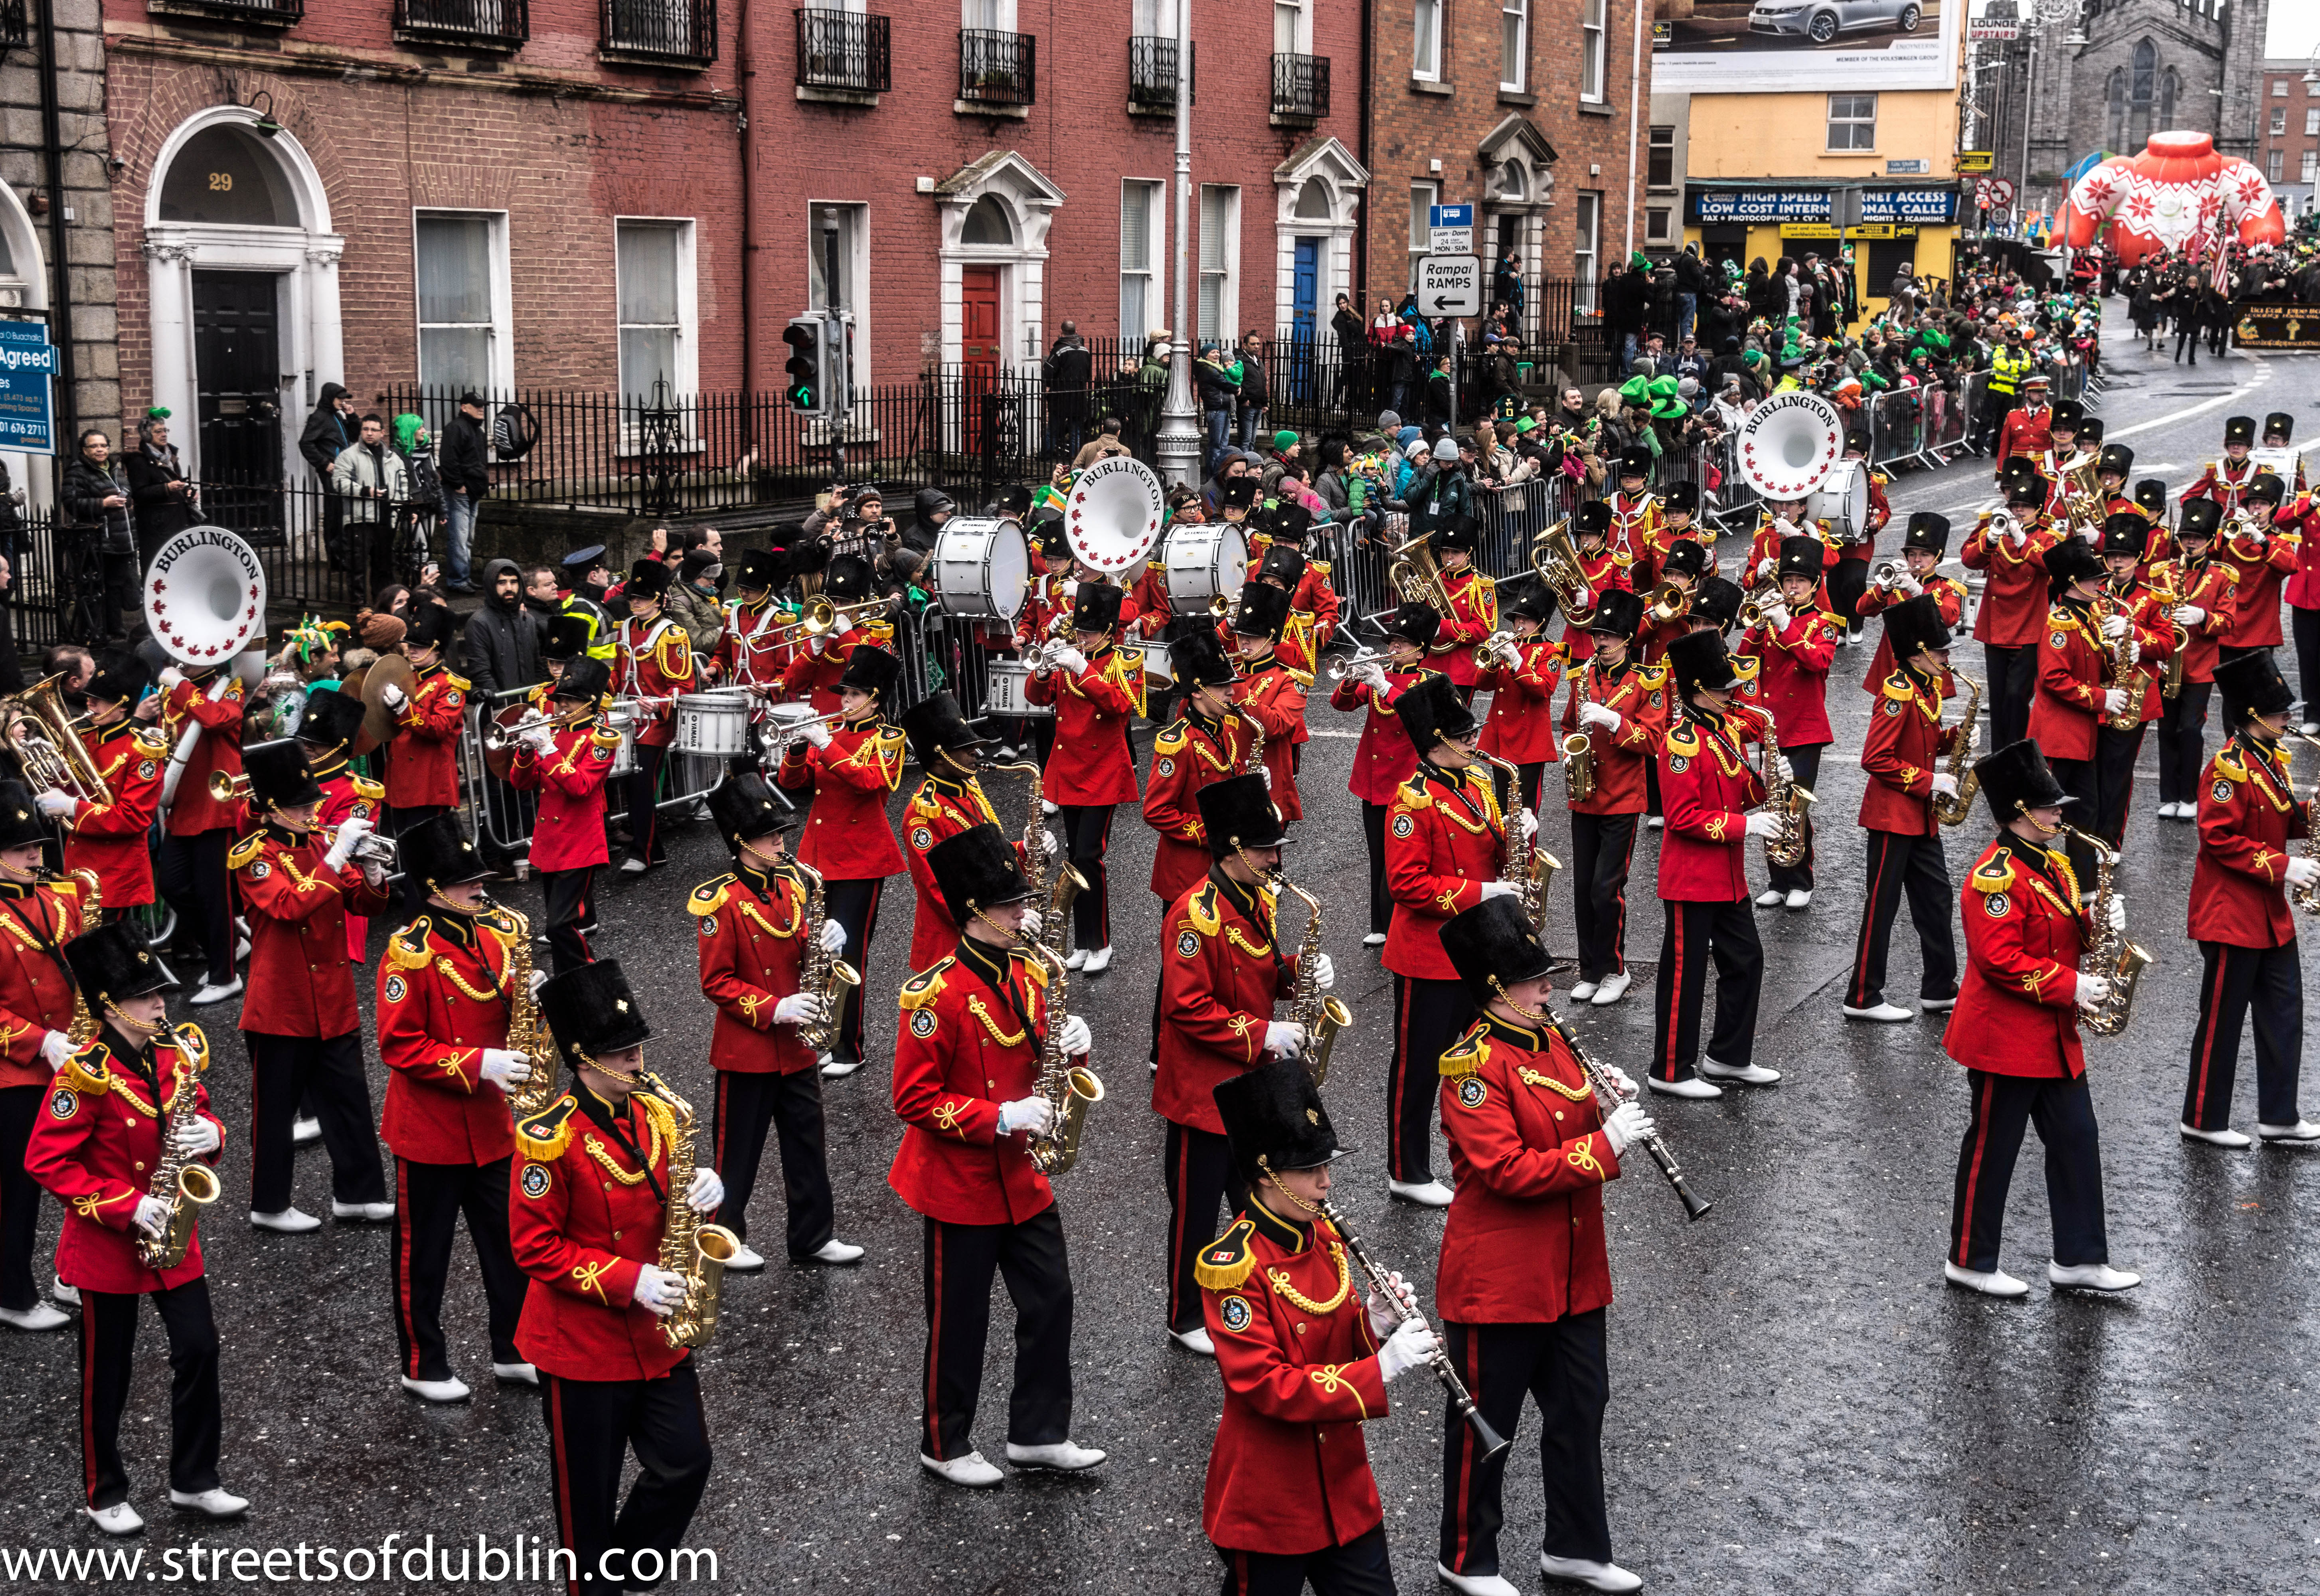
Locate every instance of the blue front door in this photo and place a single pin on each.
(1304, 310)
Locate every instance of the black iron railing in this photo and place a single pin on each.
(661, 32)
(997, 67)
(12, 25)
(1152, 73)
(1300, 87)
(254, 14)
(475, 24)
(844, 50)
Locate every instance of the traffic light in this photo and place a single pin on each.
(809, 365)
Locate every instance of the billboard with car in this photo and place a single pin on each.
(1785, 46)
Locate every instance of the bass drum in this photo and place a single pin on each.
(983, 567)
(714, 724)
(1204, 560)
(1841, 500)
(1006, 684)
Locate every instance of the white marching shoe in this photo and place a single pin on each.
(1747, 1074)
(120, 1519)
(1425, 1193)
(1477, 1584)
(1374, 939)
(365, 1213)
(1654, 822)
(974, 1471)
(2302, 1130)
(1993, 1282)
(633, 865)
(62, 1292)
(835, 1251)
(745, 1260)
(1063, 1457)
(2168, 811)
(2225, 1137)
(1937, 1005)
(304, 1129)
(40, 1316)
(209, 992)
(1772, 897)
(1800, 899)
(2091, 1277)
(1195, 1340)
(1585, 991)
(1076, 959)
(1691, 1086)
(1883, 1012)
(213, 1504)
(1595, 1576)
(516, 1374)
(1097, 962)
(1612, 991)
(834, 1068)
(290, 1221)
(454, 1390)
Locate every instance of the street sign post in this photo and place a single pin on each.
(27, 405)
(1450, 285)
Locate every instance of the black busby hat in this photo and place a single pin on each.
(1290, 521)
(583, 679)
(1699, 660)
(1274, 1120)
(847, 579)
(2127, 532)
(569, 633)
(332, 720)
(279, 776)
(648, 579)
(21, 822)
(1262, 611)
(2268, 488)
(1617, 613)
(1685, 559)
(1096, 607)
(1238, 811)
(121, 678)
(2252, 685)
(2239, 429)
(1717, 599)
(744, 806)
(2073, 560)
(1047, 531)
(431, 626)
(1240, 492)
(1199, 661)
(1533, 601)
(590, 1012)
(436, 853)
(1635, 462)
(1593, 516)
(1928, 531)
(2025, 487)
(2016, 778)
(1682, 495)
(2116, 460)
(870, 669)
(757, 568)
(979, 868)
(2278, 427)
(2150, 497)
(935, 724)
(1283, 564)
(1459, 531)
(1915, 625)
(1414, 622)
(2091, 432)
(1802, 555)
(2066, 414)
(2201, 518)
(1492, 946)
(1431, 711)
(1014, 499)
(112, 963)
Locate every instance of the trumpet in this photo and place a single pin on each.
(1670, 600)
(1752, 612)
(1358, 661)
(820, 616)
(1886, 576)
(1499, 649)
(793, 727)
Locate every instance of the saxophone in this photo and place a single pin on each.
(525, 1034)
(1070, 1091)
(1537, 869)
(1579, 747)
(1322, 1014)
(1786, 801)
(2307, 896)
(2114, 957)
(183, 1185)
(695, 1252)
(1055, 925)
(2123, 672)
(822, 974)
(2166, 578)
(1952, 811)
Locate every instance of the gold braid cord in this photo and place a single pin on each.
(1279, 1278)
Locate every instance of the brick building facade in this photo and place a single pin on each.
(2287, 134)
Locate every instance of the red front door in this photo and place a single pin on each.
(979, 346)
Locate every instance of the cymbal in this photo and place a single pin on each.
(380, 724)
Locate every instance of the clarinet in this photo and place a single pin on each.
(1599, 1077)
(1490, 1440)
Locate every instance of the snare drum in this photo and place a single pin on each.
(1841, 500)
(715, 723)
(982, 568)
(1204, 560)
(622, 718)
(1006, 684)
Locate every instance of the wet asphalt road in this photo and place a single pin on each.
(1798, 1402)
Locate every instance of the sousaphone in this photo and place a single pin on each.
(205, 601)
(1789, 444)
(1113, 514)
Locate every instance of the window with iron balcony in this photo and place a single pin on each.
(845, 50)
(247, 13)
(1301, 88)
(470, 25)
(680, 33)
(996, 67)
(1152, 74)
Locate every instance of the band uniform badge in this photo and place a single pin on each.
(1235, 1314)
(922, 1024)
(395, 989)
(1188, 946)
(536, 1180)
(1472, 1091)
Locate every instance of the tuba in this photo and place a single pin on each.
(695, 1252)
(205, 600)
(1789, 444)
(1417, 575)
(1322, 1014)
(1952, 811)
(48, 750)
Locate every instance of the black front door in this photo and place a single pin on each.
(236, 369)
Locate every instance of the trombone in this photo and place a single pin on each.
(820, 616)
(497, 737)
(794, 727)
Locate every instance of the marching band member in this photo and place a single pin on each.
(1923, 545)
(2150, 498)
(445, 999)
(1384, 758)
(851, 768)
(568, 769)
(1096, 689)
(2261, 552)
(1849, 576)
(303, 1030)
(654, 665)
(2011, 547)
(1794, 645)
(967, 1090)
(1206, 743)
(591, 1204)
(1902, 756)
(1679, 505)
(1473, 602)
(817, 670)
(2064, 417)
(1448, 847)
(327, 732)
(2227, 480)
(2242, 917)
(197, 829)
(2027, 429)
(1048, 597)
(104, 1130)
(1604, 567)
(1622, 707)
(754, 651)
(1521, 725)
(949, 801)
(1684, 565)
(753, 927)
(1712, 795)
(112, 841)
(1524, 1279)
(1306, 1359)
(1636, 529)
(1220, 975)
(2278, 427)
(2112, 466)
(2135, 611)
(1314, 610)
(2075, 693)
(422, 761)
(2015, 1031)
(1270, 691)
(1784, 519)
(2207, 593)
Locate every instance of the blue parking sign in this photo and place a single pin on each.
(27, 408)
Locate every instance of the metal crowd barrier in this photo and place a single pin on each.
(503, 816)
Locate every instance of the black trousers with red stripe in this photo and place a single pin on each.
(1428, 1018)
(1603, 849)
(960, 1261)
(570, 905)
(1086, 837)
(853, 904)
(643, 788)
(429, 1199)
(1798, 877)
(2013, 680)
(20, 1197)
(2270, 980)
(2182, 721)
(1695, 933)
(1561, 1366)
(591, 1425)
(108, 1349)
(1914, 864)
(1358, 1568)
(326, 1074)
(1381, 900)
(748, 1105)
(2001, 1106)
(1200, 1172)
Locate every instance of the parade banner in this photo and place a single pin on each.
(1734, 47)
(2285, 326)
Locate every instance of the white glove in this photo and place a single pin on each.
(1034, 1114)
(816, 733)
(152, 1216)
(1500, 889)
(197, 1139)
(2114, 701)
(540, 739)
(2114, 627)
(1384, 1315)
(833, 937)
(1325, 972)
(2090, 533)
(1071, 659)
(1762, 824)
(394, 698)
(57, 1047)
(844, 623)
(1077, 1039)
(2299, 870)
(2133, 650)
(1071, 588)
(2118, 913)
(1625, 1081)
(2188, 615)
(342, 842)
(374, 874)
(55, 801)
(1266, 772)
(708, 1192)
(2093, 990)
(1910, 586)
(1283, 1038)
(505, 1069)
(538, 979)
(1410, 1346)
(815, 645)
(169, 677)
(1776, 616)
(1373, 676)
(658, 1291)
(1053, 844)
(2018, 535)
(1787, 771)
(1767, 565)
(800, 1008)
(1032, 921)
(2258, 536)
(1527, 821)
(1599, 714)
(1628, 1124)
(1945, 786)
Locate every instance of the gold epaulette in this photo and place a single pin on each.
(1227, 1261)
(245, 851)
(709, 897)
(922, 989)
(1486, 581)
(1035, 970)
(1303, 678)
(2229, 766)
(1465, 1056)
(1654, 676)
(363, 787)
(605, 737)
(150, 743)
(1173, 736)
(1201, 908)
(85, 1071)
(1996, 875)
(1897, 685)
(407, 948)
(1127, 672)
(1879, 478)
(1683, 738)
(193, 1044)
(1745, 668)
(461, 683)
(1622, 558)
(543, 1138)
(924, 806)
(1322, 566)
(1412, 796)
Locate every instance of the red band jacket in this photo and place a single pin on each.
(1523, 1242)
(423, 762)
(2073, 676)
(1220, 973)
(95, 1146)
(347, 796)
(970, 1039)
(569, 834)
(1445, 840)
(942, 807)
(847, 837)
(1638, 532)
(753, 944)
(1289, 1472)
(813, 678)
(300, 984)
(1091, 764)
(1190, 752)
(1384, 758)
(113, 839)
(2209, 585)
(1605, 569)
(1707, 787)
(1275, 698)
(2259, 566)
(2248, 815)
(1148, 597)
(1948, 594)
(1764, 543)
(2013, 601)
(1793, 681)
(192, 810)
(2226, 481)
(655, 661)
(1641, 696)
(1902, 753)
(754, 650)
(1043, 601)
(443, 997)
(2017, 1011)
(1474, 616)
(36, 918)
(586, 1212)
(1520, 727)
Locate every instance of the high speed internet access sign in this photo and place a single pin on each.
(1450, 285)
